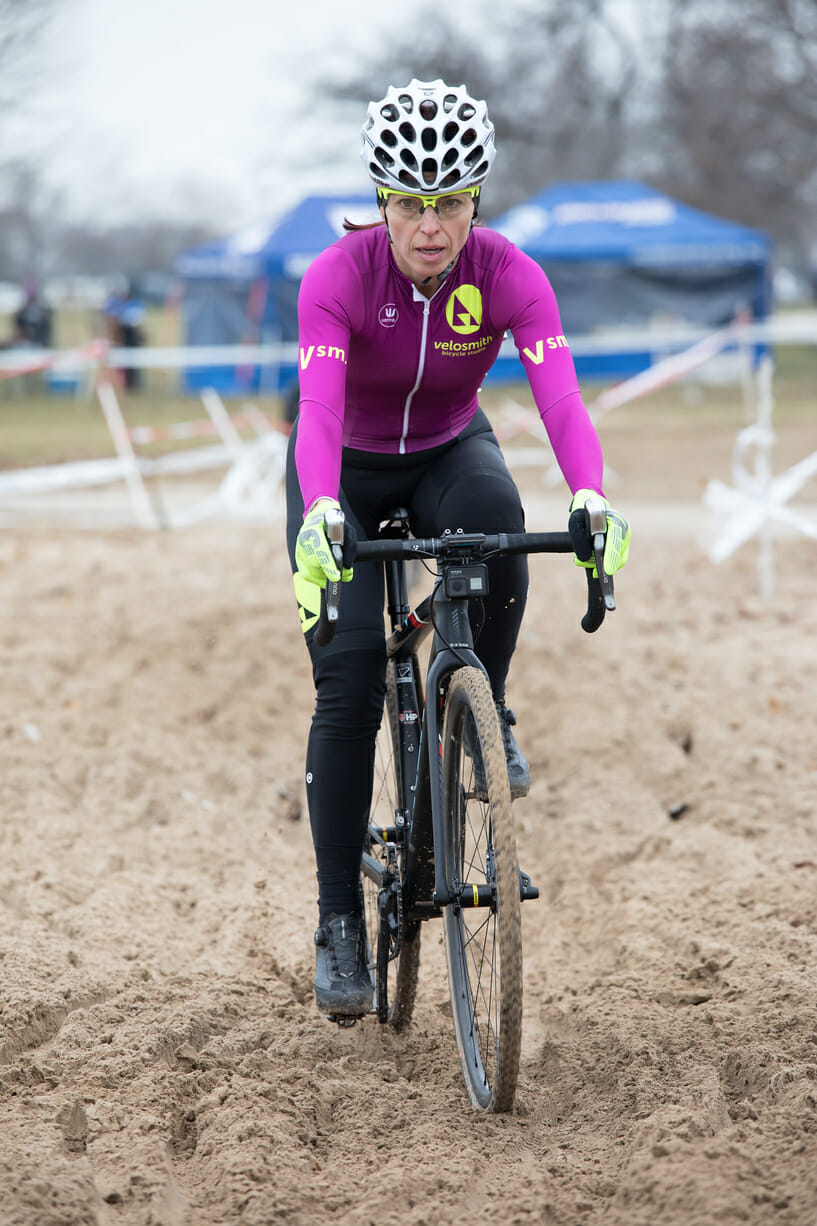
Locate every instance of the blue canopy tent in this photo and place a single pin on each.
(243, 289)
(621, 255)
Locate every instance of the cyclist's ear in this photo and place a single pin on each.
(578, 526)
(349, 544)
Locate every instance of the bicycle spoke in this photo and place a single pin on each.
(480, 961)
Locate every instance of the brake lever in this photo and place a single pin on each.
(597, 523)
(335, 521)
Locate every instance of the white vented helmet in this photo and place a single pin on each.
(427, 137)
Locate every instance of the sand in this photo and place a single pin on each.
(161, 1057)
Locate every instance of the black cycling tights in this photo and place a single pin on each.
(464, 484)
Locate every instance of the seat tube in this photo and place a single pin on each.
(397, 603)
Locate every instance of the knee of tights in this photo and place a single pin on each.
(350, 687)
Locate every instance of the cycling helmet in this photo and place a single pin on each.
(427, 137)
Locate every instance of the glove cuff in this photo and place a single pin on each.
(321, 504)
(581, 497)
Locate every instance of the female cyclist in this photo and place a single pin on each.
(399, 322)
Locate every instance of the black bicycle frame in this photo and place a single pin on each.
(452, 648)
(425, 889)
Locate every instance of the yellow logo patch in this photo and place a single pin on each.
(464, 310)
(308, 596)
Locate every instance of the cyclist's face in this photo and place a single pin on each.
(427, 233)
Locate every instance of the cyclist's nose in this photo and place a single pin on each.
(429, 221)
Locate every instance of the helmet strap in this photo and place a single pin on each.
(383, 199)
(439, 277)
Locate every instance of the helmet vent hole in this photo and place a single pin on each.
(474, 156)
(430, 170)
(449, 102)
(388, 138)
(409, 180)
(407, 103)
(407, 132)
(450, 180)
(467, 111)
(450, 132)
(429, 140)
(468, 137)
(389, 112)
(428, 109)
(449, 159)
(384, 158)
(408, 159)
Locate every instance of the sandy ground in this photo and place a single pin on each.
(161, 1057)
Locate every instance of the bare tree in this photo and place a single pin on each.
(739, 113)
(128, 249)
(714, 101)
(22, 65)
(559, 81)
(27, 223)
(22, 201)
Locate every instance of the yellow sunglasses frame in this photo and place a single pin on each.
(383, 193)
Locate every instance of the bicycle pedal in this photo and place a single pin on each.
(341, 1019)
(527, 890)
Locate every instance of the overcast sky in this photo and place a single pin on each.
(189, 105)
(195, 108)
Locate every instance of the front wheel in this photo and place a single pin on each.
(483, 926)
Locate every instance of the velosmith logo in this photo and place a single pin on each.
(321, 351)
(537, 355)
(464, 310)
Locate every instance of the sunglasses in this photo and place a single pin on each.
(447, 205)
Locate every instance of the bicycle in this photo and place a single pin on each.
(440, 841)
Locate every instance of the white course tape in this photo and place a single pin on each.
(662, 373)
(74, 475)
(204, 427)
(757, 500)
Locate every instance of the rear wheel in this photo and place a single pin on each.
(483, 933)
(394, 945)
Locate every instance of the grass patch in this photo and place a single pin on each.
(44, 429)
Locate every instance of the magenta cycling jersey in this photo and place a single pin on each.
(384, 369)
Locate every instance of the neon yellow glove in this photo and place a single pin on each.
(313, 553)
(616, 541)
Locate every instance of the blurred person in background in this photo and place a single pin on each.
(124, 316)
(31, 328)
(399, 322)
(32, 321)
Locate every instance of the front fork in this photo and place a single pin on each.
(452, 648)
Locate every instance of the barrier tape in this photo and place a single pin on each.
(796, 328)
(520, 419)
(100, 352)
(663, 373)
(250, 419)
(255, 470)
(34, 361)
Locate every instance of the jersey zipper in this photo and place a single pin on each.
(423, 338)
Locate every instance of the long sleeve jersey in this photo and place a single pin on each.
(384, 369)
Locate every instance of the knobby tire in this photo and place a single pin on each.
(483, 944)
